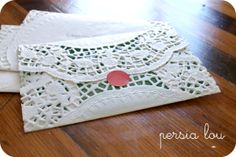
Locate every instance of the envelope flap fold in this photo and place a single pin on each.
(91, 59)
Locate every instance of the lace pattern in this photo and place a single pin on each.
(143, 53)
(7, 34)
(182, 74)
(34, 14)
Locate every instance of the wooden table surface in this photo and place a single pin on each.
(210, 28)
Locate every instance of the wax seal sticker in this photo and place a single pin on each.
(118, 78)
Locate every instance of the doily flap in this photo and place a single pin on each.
(91, 59)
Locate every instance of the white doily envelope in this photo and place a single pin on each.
(43, 27)
(65, 82)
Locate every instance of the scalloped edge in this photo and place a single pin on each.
(7, 34)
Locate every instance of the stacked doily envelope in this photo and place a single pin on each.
(63, 68)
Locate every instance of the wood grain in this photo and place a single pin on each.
(223, 7)
(209, 27)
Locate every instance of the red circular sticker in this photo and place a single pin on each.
(118, 78)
